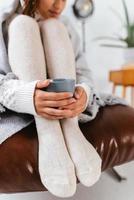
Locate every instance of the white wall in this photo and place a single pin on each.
(103, 23)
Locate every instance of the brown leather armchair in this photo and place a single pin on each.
(111, 133)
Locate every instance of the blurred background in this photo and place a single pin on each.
(109, 40)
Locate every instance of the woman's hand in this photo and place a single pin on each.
(79, 106)
(46, 103)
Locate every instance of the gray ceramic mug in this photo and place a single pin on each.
(61, 85)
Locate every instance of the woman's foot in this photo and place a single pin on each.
(86, 159)
(56, 168)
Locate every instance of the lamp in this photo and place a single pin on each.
(82, 9)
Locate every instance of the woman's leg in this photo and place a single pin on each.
(26, 57)
(61, 64)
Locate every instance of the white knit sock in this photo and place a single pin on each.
(60, 56)
(83, 154)
(26, 56)
(56, 168)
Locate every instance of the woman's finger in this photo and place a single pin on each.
(71, 107)
(42, 84)
(78, 92)
(54, 96)
(57, 112)
(56, 104)
(47, 116)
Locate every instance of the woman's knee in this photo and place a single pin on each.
(52, 25)
(23, 22)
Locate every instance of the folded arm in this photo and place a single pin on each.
(16, 95)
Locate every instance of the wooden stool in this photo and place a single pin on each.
(124, 78)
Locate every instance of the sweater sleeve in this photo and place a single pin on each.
(16, 95)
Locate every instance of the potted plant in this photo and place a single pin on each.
(125, 41)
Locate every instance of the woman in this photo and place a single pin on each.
(32, 42)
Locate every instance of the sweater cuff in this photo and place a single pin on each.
(87, 90)
(24, 101)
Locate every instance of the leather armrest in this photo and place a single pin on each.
(111, 133)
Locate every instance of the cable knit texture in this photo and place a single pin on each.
(16, 96)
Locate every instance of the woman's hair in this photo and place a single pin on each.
(30, 6)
